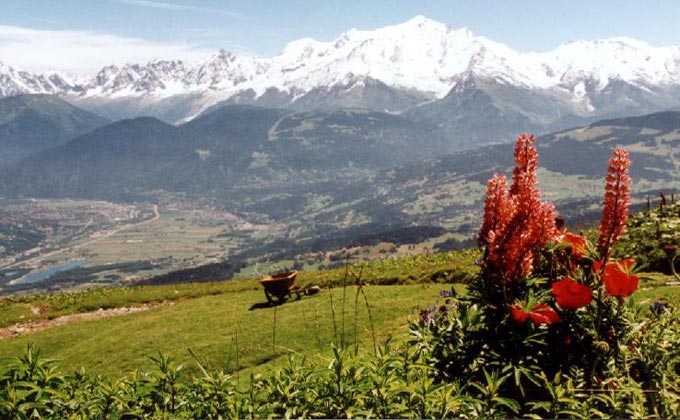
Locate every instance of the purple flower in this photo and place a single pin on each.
(436, 313)
(659, 308)
(428, 315)
(447, 293)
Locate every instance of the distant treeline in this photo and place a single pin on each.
(209, 272)
(400, 236)
(362, 235)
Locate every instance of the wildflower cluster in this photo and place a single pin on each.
(547, 303)
(519, 234)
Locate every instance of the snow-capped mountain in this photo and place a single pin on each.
(418, 63)
(16, 82)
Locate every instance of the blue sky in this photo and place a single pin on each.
(193, 28)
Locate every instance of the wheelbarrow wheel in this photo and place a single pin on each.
(273, 299)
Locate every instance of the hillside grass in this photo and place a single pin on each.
(447, 267)
(223, 332)
(215, 319)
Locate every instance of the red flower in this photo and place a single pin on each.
(616, 199)
(516, 221)
(544, 314)
(577, 244)
(627, 264)
(618, 280)
(570, 294)
(518, 314)
(540, 314)
(498, 208)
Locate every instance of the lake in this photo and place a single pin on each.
(41, 275)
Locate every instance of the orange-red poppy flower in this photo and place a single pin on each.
(577, 244)
(518, 314)
(570, 294)
(617, 278)
(540, 314)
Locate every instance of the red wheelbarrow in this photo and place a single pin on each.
(279, 287)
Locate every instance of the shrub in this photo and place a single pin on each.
(653, 237)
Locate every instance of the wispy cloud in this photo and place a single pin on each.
(47, 21)
(155, 4)
(84, 52)
(181, 7)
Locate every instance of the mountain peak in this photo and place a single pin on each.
(223, 54)
(607, 44)
(421, 21)
(418, 26)
(301, 46)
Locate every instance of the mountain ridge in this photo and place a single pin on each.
(31, 123)
(410, 63)
(234, 144)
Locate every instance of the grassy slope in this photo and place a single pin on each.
(443, 267)
(209, 325)
(653, 289)
(206, 316)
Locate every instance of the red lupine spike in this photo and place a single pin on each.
(547, 228)
(495, 207)
(526, 159)
(517, 223)
(616, 200)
